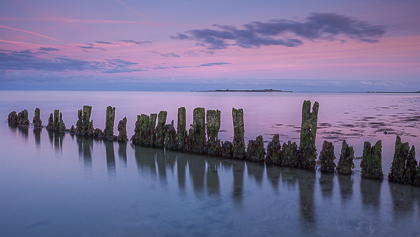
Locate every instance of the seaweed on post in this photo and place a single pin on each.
(122, 130)
(37, 119)
(83, 127)
(238, 131)
(345, 163)
(160, 129)
(256, 150)
(327, 157)
(227, 149)
(274, 152)
(12, 118)
(109, 123)
(290, 154)
(307, 149)
(197, 132)
(372, 161)
(171, 140)
(404, 165)
(213, 127)
(56, 123)
(181, 130)
(23, 117)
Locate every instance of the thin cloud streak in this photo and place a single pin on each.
(30, 32)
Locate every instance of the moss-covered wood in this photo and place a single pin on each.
(140, 130)
(160, 129)
(345, 163)
(307, 149)
(12, 118)
(109, 123)
(327, 157)
(122, 130)
(56, 123)
(274, 152)
(404, 165)
(227, 149)
(171, 139)
(213, 127)
(256, 150)
(151, 130)
(82, 125)
(197, 132)
(372, 161)
(238, 134)
(290, 154)
(23, 117)
(181, 129)
(37, 118)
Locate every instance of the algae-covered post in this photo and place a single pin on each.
(56, 123)
(160, 133)
(227, 149)
(122, 130)
(307, 149)
(139, 136)
(274, 152)
(109, 123)
(327, 157)
(182, 129)
(12, 118)
(37, 119)
(82, 125)
(23, 117)
(256, 151)
(290, 154)
(404, 165)
(213, 127)
(197, 132)
(238, 134)
(171, 140)
(372, 161)
(345, 163)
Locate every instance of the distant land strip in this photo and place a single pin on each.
(227, 90)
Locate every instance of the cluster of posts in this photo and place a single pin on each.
(404, 168)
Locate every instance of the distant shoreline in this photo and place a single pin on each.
(392, 92)
(227, 90)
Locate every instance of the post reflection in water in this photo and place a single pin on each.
(85, 151)
(56, 139)
(212, 177)
(370, 190)
(345, 183)
(110, 157)
(403, 199)
(256, 170)
(273, 174)
(326, 181)
(161, 166)
(37, 135)
(238, 182)
(122, 152)
(23, 131)
(306, 184)
(197, 168)
(145, 158)
(181, 164)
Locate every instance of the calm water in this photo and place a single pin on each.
(68, 186)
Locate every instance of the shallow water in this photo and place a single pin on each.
(55, 185)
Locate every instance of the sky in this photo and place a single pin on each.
(167, 45)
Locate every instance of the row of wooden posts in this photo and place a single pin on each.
(404, 168)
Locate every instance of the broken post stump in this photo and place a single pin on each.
(290, 154)
(227, 149)
(274, 152)
(213, 127)
(109, 123)
(327, 157)
(404, 165)
(37, 119)
(82, 125)
(171, 139)
(239, 131)
(160, 129)
(345, 163)
(256, 150)
(307, 149)
(372, 161)
(197, 132)
(181, 130)
(56, 123)
(122, 130)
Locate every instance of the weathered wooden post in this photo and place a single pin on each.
(372, 161)
(181, 129)
(109, 123)
(227, 149)
(197, 132)
(290, 154)
(404, 165)
(160, 129)
(122, 130)
(213, 127)
(274, 152)
(37, 119)
(23, 117)
(307, 149)
(345, 163)
(171, 139)
(256, 150)
(327, 157)
(12, 118)
(82, 125)
(239, 131)
(56, 123)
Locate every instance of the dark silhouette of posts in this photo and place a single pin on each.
(109, 123)
(307, 149)
(239, 131)
(182, 130)
(213, 127)
(404, 165)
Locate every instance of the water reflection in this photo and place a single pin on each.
(212, 177)
(110, 157)
(85, 151)
(181, 165)
(238, 182)
(145, 158)
(370, 190)
(403, 199)
(37, 135)
(326, 184)
(197, 168)
(306, 183)
(161, 166)
(122, 152)
(23, 130)
(273, 174)
(56, 139)
(256, 170)
(345, 183)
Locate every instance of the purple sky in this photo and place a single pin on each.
(297, 45)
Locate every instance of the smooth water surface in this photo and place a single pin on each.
(63, 185)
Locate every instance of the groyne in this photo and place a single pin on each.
(202, 138)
